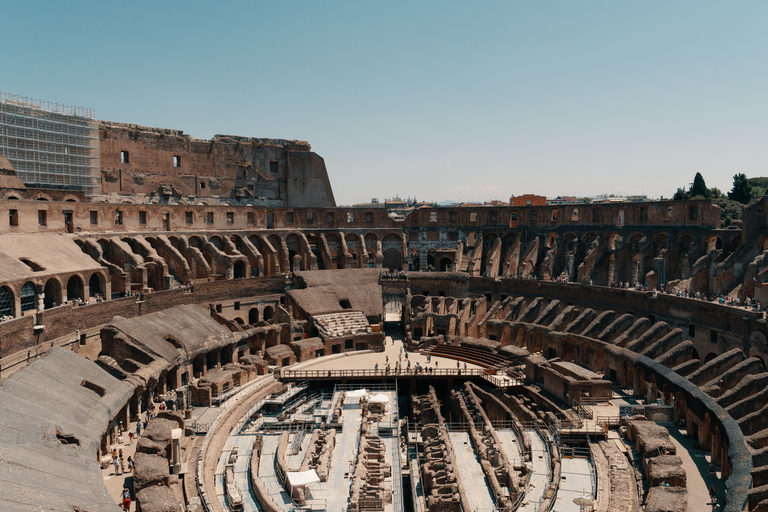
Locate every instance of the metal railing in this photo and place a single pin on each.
(380, 373)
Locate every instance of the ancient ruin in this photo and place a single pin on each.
(206, 308)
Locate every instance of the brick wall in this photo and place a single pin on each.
(18, 334)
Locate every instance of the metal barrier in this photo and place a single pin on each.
(381, 373)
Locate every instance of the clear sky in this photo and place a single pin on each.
(439, 100)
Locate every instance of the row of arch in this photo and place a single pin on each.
(15, 301)
(156, 261)
(617, 257)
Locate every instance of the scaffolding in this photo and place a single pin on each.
(50, 145)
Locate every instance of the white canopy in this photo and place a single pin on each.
(357, 393)
(297, 478)
(378, 398)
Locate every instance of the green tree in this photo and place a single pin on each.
(741, 191)
(758, 186)
(730, 210)
(699, 187)
(681, 195)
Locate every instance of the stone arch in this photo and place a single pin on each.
(711, 243)
(352, 241)
(489, 239)
(472, 238)
(239, 270)
(446, 264)
(253, 316)
(293, 242)
(392, 251)
(370, 241)
(393, 259)
(334, 250)
(28, 296)
(567, 254)
(271, 266)
(75, 288)
(315, 244)
(631, 260)
(52, 291)
(709, 357)
(69, 198)
(659, 241)
(695, 354)
(96, 284)
(7, 301)
(216, 241)
(11, 195)
(507, 241)
(196, 241)
(277, 244)
(734, 243)
(41, 196)
(681, 258)
(269, 312)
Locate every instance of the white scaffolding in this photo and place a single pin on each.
(49, 145)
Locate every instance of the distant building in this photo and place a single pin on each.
(528, 200)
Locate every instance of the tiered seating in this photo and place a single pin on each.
(347, 323)
(468, 354)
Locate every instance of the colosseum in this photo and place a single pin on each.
(195, 325)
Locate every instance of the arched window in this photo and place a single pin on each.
(28, 292)
(7, 305)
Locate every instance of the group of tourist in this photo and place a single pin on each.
(727, 300)
(417, 367)
(393, 275)
(527, 277)
(188, 286)
(119, 463)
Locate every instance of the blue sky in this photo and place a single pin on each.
(442, 101)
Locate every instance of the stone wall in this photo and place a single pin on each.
(18, 334)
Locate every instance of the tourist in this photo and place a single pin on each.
(138, 429)
(711, 470)
(116, 462)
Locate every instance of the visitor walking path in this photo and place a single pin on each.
(510, 445)
(575, 481)
(471, 472)
(542, 473)
(696, 465)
